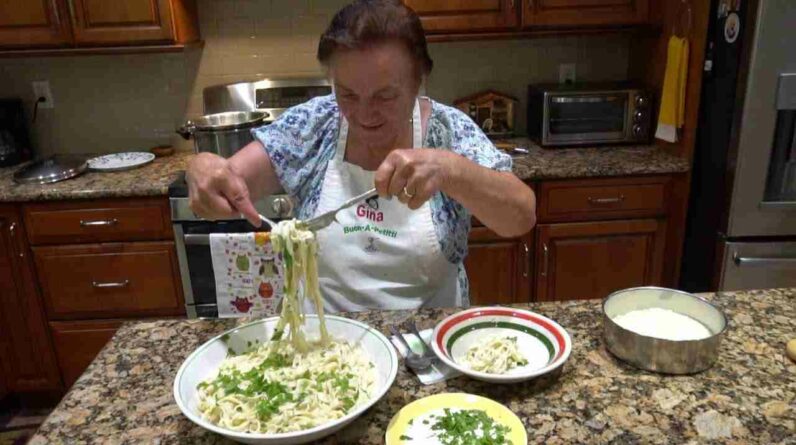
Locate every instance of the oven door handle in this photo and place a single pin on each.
(762, 261)
(192, 239)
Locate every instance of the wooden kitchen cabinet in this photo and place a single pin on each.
(132, 21)
(574, 13)
(110, 280)
(440, 16)
(77, 343)
(499, 269)
(590, 260)
(26, 352)
(97, 23)
(33, 23)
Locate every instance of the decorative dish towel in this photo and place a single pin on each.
(248, 274)
(438, 371)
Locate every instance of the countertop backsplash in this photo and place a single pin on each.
(134, 102)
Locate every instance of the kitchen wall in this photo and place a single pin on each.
(134, 102)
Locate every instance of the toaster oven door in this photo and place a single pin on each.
(586, 118)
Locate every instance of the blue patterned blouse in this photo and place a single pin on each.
(301, 142)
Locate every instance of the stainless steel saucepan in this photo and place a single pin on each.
(222, 133)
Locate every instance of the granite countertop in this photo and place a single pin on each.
(150, 180)
(154, 179)
(748, 396)
(591, 162)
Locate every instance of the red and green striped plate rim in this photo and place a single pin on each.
(502, 324)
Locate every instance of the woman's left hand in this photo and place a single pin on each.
(414, 175)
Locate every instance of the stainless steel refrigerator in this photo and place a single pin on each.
(741, 227)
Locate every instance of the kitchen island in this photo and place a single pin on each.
(748, 396)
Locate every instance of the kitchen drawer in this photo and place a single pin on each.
(109, 280)
(98, 221)
(581, 200)
(77, 343)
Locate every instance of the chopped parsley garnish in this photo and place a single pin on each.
(469, 427)
(404, 437)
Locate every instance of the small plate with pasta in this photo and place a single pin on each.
(501, 345)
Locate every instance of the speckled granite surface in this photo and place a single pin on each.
(150, 180)
(749, 396)
(153, 179)
(571, 163)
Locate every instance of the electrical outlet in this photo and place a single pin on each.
(41, 88)
(566, 73)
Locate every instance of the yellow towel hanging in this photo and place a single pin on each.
(672, 111)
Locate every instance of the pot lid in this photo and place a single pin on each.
(229, 120)
(53, 169)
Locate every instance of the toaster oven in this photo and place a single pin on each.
(581, 114)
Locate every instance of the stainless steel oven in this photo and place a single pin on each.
(191, 233)
(562, 115)
(192, 242)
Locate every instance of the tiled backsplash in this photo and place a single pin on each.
(133, 102)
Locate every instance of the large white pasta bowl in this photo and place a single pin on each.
(205, 360)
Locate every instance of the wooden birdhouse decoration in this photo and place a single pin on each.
(491, 110)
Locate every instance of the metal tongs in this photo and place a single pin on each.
(322, 221)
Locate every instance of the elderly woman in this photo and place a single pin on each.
(432, 166)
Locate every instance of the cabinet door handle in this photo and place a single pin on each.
(527, 260)
(99, 285)
(12, 232)
(72, 10)
(545, 259)
(605, 201)
(99, 223)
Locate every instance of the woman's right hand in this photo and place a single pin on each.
(217, 191)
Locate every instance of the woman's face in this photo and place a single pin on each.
(376, 89)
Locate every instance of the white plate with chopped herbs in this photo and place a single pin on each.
(455, 418)
(500, 344)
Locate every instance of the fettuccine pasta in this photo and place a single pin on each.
(495, 355)
(290, 383)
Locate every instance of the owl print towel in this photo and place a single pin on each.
(248, 274)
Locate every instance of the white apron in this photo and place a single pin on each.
(381, 254)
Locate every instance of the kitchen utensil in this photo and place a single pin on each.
(52, 169)
(205, 360)
(270, 223)
(322, 221)
(117, 162)
(657, 354)
(222, 133)
(437, 372)
(541, 341)
(427, 352)
(413, 360)
(409, 420)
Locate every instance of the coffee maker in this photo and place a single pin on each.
(14, 141)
